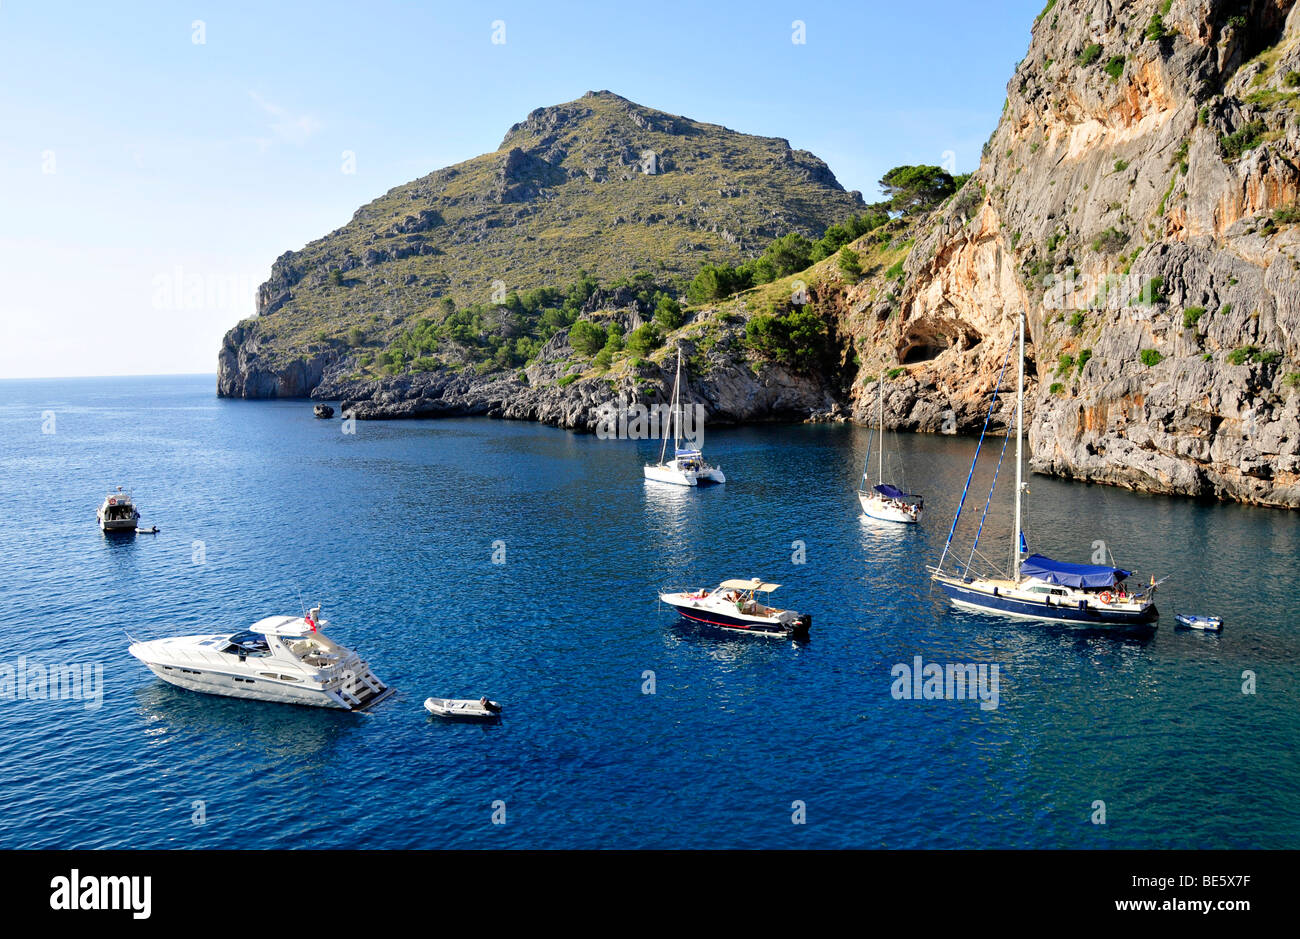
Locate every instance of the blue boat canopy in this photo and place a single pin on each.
(892, 492)
(687, 453)
(1071, 575)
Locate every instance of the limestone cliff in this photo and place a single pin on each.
(1138, 201)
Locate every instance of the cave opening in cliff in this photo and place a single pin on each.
(923, 352)
(924, 345)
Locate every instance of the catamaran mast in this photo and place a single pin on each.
(677, 382)
(677, 402)
(1020, 427)
(880, 397)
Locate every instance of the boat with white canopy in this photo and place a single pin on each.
(1038, 587)
(688, 466)
(740, 605)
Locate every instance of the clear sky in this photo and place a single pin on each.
(155, 158)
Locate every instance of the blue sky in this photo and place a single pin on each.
(148, 180)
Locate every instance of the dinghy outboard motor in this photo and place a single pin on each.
(803, 624)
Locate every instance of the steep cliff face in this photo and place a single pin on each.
(1138, 201)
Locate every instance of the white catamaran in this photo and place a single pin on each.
(883, 501)
(688, 467)
(1039, 587)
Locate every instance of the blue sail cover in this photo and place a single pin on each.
(891, 492)
(685, 454)
(1071, 575)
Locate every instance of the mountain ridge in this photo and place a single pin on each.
(599, 184)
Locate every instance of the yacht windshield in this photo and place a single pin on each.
(247, 643)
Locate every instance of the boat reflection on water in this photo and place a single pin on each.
(727, 647)
(1061, 633)
(298, 736)
(673, 516)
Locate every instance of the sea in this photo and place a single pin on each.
(469, 557)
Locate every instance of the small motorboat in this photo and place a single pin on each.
(118, 513)
(279, 658)
(1198, 621)
(142, 528)
(736, 604)
(480, 710)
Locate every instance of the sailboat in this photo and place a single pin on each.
(883, 501)
(687, 467)
(1039, 587)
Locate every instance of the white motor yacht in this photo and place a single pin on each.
(118, 512)
(279, 658)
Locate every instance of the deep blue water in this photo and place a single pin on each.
(392, 530)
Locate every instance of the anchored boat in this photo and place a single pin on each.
(1212, 624)
(739, 605)
(463, 709)
(1039, 587)
(117, 513)
(279, 658)
(883, 501)
(687, 467)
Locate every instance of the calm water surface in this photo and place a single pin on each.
(392, 530)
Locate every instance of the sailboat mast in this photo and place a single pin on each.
(677, 402)
(672, 404)
(880, 398)
(1020, 430)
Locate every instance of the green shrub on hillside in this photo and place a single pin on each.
(586, 337)
(715, 281)
(668, 312)
(849, 264)
(789, 254)
(643, 340)
(1246, 138)
(798, 339)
